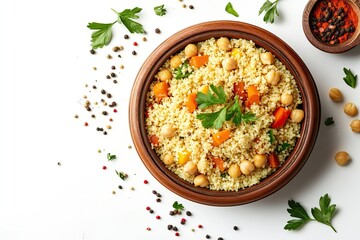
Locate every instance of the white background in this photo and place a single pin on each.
(45, 64)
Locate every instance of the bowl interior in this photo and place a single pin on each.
(352, 42)
(262, 38)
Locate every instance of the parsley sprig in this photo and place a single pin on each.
(160, 10)
(270, 9)
(324, 214)
(182, 71)
(350, 78)
(230, 111)
(178, 206)
(102, 34)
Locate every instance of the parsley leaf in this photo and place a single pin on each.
(329, 121)
(208, 99)
(271, 136)
(102, 34)
(212, 120)
(322, 215)
(160, 10)
(229, 8)
(182, 71)
(234, 111)
(350, 78)
(126, 17)
(282, 147)
(111, 157)
(178, 206)
(270, 9)
(121, 175)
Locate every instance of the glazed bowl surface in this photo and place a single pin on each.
(344, 46)
(262, 38)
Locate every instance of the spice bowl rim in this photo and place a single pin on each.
(336, 48)
(262, 38)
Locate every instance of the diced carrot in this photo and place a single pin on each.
(154, 140)
(183, 157)
(273, 160)
(220, 137)
(281, 115)
(198, 61)
(190, 102)
(253, 96)
(240, 90)
(218, 162)
(161, 90)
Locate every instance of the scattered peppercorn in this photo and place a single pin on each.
(200, 226)
(114, 81)
(59, 163)
(115, 111)
(184, 5)
(92, 51)
(151, 211)
(220, 238)
(108, 56)
(169, 227)
(92, 115)
(104, 113)
(113, 67)
(121, 66)
(146, 181)
(104, 167)
(188, 213)
(86, 124)
(175, 228)
(148, 229)
(191, 6)
(109, 95)
(158, 200)
(133, 53)
(126, 36)
(108, 76)
(177, 234)
(154, 192)
(235, 228)
(105, 132)
(158, 195)
(112, 74)
(148, 208)
(94, 87)
(157, 30)
(183, 221)
(144, 39)
(207, 236)
(158, 217)
(119, 56)
(103, 91)
(135, 44)
(116, 48)
(120, 187)
(76, 116)
(113, 192)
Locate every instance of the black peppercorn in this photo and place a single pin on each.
(92, 51)
(133, 53)
(188, 213)
(126, 36)
(113, 74)
(157, 30)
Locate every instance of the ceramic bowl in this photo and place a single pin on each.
(262, 38)
(352, 42)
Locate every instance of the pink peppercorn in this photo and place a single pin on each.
(148, 229)
(158, 217)
(115, 110)
(200, 226)
(177, 234)
(135, 43)
(86, 124)
(146, 181)
(148, 208)
(104, 167)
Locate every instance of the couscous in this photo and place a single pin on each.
(223, 113)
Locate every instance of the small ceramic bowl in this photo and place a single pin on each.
(325, 46)
(262, 38)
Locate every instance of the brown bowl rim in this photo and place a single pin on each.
(338, 48)
(262, 38)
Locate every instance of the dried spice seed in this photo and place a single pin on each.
(183, 221)
(92, 115)
(59, 163)
(158, 195)
(146, 181)
(76, 116)
(207, 236)
(151, 211)
(112, 74)
(171, 213)
(105, 133)
(108, 76)
(191, 6)
(157, 30)
(86, 124)
(109, 95)
(108, 56)
(113, 67)
(121, 66)
(158, 200)
(148, 208)
(92, 51)
(177, 234)
(133, 53)
(126, 36)
(175, 228)
(103, 91)
(184, 5)
(113, 192)
(120, 187)
(135, 44)
(104, 113)
(154, 192)
(114, 81)
(188, 213)
(104, 167)
(116, 48)
(115, 111)
(235, 228)
(94, 87)
(158, 217)
(144, 39)
(119, 56)
(148, 229)
(169, 227)
(220, 238)
(200, 226)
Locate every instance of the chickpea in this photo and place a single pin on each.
(335, 95)
(355, 125)
(267, 58)
(297, 115)
(168, 159)
(234, 170)
(191, 50)
(229, 64)
(286, 99)
(350, 109)
(342, 158)
(260, 160)
(224, 43)
(167, 131)
(273, 77)
(190, 167)
(175, 61)
(201, 181)
(164, 75)
(246, 167)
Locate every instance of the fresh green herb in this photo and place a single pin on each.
(111, 157)
(271, 136)
(229, 8)
(102, 34)
(282, 147)
(122, 175)
(329, 121)
(223, 174)
(178, 206)
(322, 215)
(231, 111)
(182, 71)
(208, 99)
(270, 9)
(160, 10)
(350, 79)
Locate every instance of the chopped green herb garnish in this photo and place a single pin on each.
(178, 206)
(322, 215)
(282, 147)
(329, 121)
(182, 71)
(102, 34)
(229, 9)
(350, 78)
(270, 9)
(231, 111)
(160, 10)
(111, 157)
(223, 174)
(122, 175)
(271, 136)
